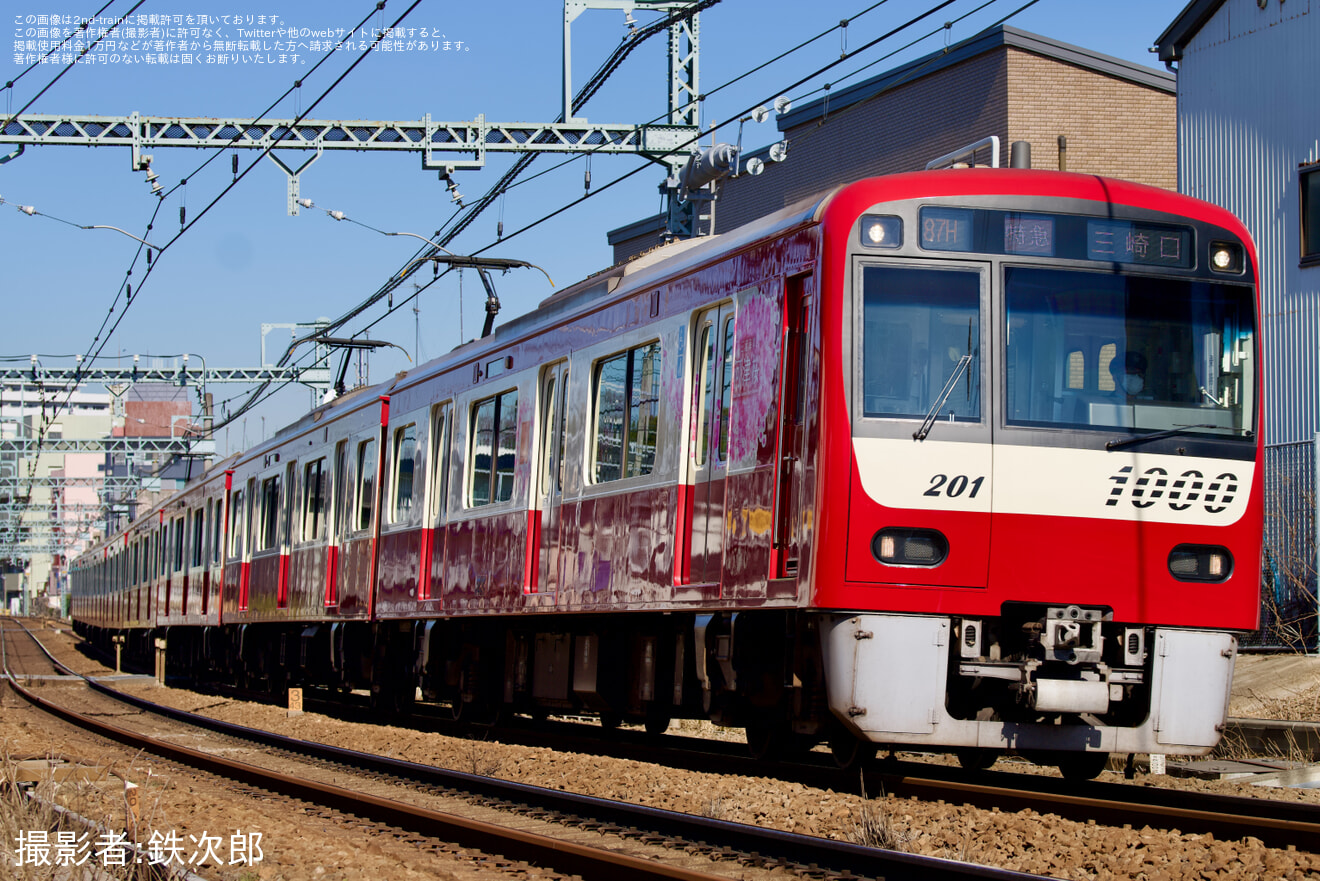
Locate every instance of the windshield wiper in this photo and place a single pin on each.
(1168, 432)
(929, 421)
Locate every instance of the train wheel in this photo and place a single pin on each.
(850, 751)
(1082, 766)
(767, 740)
(657, 724)
(610, 720)
(976, 759)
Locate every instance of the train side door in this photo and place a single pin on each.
(795, 373)
(548, 540)
(712, 392)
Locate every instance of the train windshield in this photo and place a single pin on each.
(921, 338)
(1103, 351)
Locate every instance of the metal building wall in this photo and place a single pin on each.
(1247, 118)
(1288, 594)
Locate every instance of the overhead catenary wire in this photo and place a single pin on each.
(229, 187)
(68, 67)
(94, 349)
(269, 388)
(125, 286)
(380, 294)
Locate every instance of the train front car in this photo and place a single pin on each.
(1042, 393)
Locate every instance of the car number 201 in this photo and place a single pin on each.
(955, 486)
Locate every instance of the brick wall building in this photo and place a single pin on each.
(1115, 118)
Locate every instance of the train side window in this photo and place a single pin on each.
(405, 457)
(706, 382)
(207, 530)
(442, 426)
(198, 534)
(249, 519)
(627, 413)
(178, 544)
(314, 500)
(270, 513)
(553, 411)
(366, 496)
(287, 505)
(339, 492)
(726, 386)
(494, 448)
(217, 534)
(236, 524)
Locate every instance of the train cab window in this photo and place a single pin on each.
(366, 495)
(626, 391)
(198, 534)
(270, 514)
(921, 329)
(442, 426)
(494, 449)
(405, 455)
(313, 506)
(1160, 353)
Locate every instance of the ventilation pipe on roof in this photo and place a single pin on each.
(1019, 155)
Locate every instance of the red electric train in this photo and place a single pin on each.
(962, 459)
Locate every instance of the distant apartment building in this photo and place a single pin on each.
(56, 502)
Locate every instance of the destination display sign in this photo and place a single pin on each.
(1056, 235)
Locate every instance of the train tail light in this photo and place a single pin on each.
(1200, 563)
(910, 547)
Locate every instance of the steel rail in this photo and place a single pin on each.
(1275, 822)
(813, 853)
(590, 863)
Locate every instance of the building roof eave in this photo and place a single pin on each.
(1184, 29)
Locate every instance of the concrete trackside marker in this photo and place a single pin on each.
(295, 702)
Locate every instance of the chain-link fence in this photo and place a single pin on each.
(1288, 588)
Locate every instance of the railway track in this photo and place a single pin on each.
(637, 839)
(1276, 823)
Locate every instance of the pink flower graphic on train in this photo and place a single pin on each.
(756, 366)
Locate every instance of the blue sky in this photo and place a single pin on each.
(247, 262)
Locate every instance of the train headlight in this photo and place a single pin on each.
(882, 231)
(1200, 563)
(1226, 257)
(909, 547)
